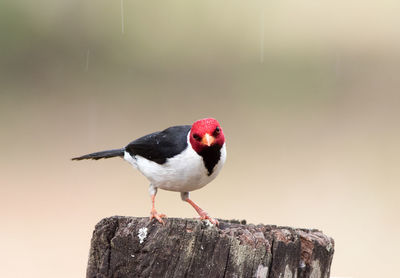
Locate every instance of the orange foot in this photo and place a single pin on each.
(156, 215)
(204, 216)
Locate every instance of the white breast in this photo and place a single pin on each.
(183, 173)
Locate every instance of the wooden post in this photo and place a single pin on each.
(136, 247)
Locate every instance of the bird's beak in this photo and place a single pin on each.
(208, 139)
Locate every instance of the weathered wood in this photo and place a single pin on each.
(136, 247)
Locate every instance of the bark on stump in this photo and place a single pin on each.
(136, 247)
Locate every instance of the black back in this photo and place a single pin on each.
(159, 146)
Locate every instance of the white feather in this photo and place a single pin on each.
(182, 173)
(130, 159)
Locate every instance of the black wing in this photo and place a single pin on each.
(159, 146)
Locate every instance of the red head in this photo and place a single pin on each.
(206, 133)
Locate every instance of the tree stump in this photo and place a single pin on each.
(136, 247)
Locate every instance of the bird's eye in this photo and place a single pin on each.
(197, 137)
(217, 130)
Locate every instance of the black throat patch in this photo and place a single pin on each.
(211, 156)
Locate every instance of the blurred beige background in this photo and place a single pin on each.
(307, 93)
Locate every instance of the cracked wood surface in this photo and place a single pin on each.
(136, 247)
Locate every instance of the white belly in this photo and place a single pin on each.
(183, 173)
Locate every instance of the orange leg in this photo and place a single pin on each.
(154, 213)
(203, 215)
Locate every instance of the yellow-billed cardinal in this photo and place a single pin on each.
(179, 158)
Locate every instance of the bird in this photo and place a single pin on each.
(180, 158)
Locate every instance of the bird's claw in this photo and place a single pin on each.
(205, 216)
(158, 216)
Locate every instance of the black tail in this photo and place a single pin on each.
(103, 154)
